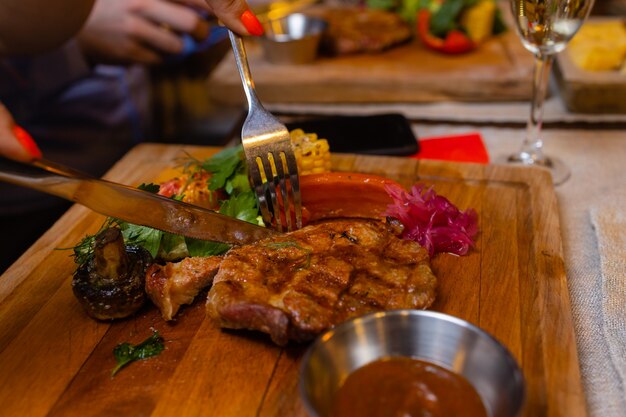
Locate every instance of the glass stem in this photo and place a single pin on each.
(532, 147)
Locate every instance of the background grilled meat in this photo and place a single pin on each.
(296, 285)
(354, 30)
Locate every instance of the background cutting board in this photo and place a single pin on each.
(55, 361)
(599, 92)
(500, 70)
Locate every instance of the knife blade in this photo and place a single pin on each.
(131, 204)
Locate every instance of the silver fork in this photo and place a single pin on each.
(269, 154)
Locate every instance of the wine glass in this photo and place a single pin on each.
(545, 27)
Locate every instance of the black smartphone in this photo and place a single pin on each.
(381, 134)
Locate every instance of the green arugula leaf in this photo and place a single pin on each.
(238, 183)
(126, 353)
(223, 165)
(150, 187)
(241, 206)
(198, 247)
(171, 243)
(146, 237)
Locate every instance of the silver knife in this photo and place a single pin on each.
(131, 204)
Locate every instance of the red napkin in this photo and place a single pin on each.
(467, 147)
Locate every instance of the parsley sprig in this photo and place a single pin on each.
(125, 353)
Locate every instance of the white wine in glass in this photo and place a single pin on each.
(545, 27)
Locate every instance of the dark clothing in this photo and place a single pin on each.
(81, 116)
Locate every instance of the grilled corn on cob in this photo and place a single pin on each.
(312, 153)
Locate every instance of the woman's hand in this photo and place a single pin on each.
(236, 15)
(15, 142)
(139, 31)
(146, 31)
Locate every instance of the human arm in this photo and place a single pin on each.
(32, 26)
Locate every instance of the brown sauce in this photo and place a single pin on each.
(406, 387)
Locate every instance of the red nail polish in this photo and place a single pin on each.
(27, 142)
(251, 23)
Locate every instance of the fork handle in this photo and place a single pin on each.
(244, 69)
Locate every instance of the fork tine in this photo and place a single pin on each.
(283, 175)
(260, 189)
(271, 182)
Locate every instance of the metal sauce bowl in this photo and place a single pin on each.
(293, 39)
(434, 337)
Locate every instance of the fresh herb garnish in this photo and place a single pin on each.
(223, 166)
(150, 187)
(291, 244)
(226, 170)
(197, 247)
(126, 353)
(241, 206)
(285, 244)
(83, 251)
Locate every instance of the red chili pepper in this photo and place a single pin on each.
(456, 42)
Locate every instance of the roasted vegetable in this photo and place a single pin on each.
(454, 42)
(110, 284)
(312, 153)
(345, 194)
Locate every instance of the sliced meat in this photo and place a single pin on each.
(356, 30)
(294, 286)
(171, 285)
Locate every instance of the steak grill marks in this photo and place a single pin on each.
(295, 286)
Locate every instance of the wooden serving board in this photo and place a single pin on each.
(499, 70)
(55, 361)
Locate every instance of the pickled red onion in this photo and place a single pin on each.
(432, 220)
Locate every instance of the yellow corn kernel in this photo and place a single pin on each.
(312, 153)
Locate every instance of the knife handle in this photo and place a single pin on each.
(39, 178)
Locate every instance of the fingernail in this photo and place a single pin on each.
(27, 142)
(251, 23)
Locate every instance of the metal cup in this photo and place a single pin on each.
(434, 337)
(293, 39)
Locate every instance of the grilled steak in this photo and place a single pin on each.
(296, 285)
(171, 285)
(354, 30)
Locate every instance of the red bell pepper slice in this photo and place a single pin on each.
(456, 42)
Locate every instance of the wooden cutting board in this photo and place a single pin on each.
(55, 361)
(499, 70)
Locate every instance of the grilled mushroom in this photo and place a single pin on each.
(110, 285)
